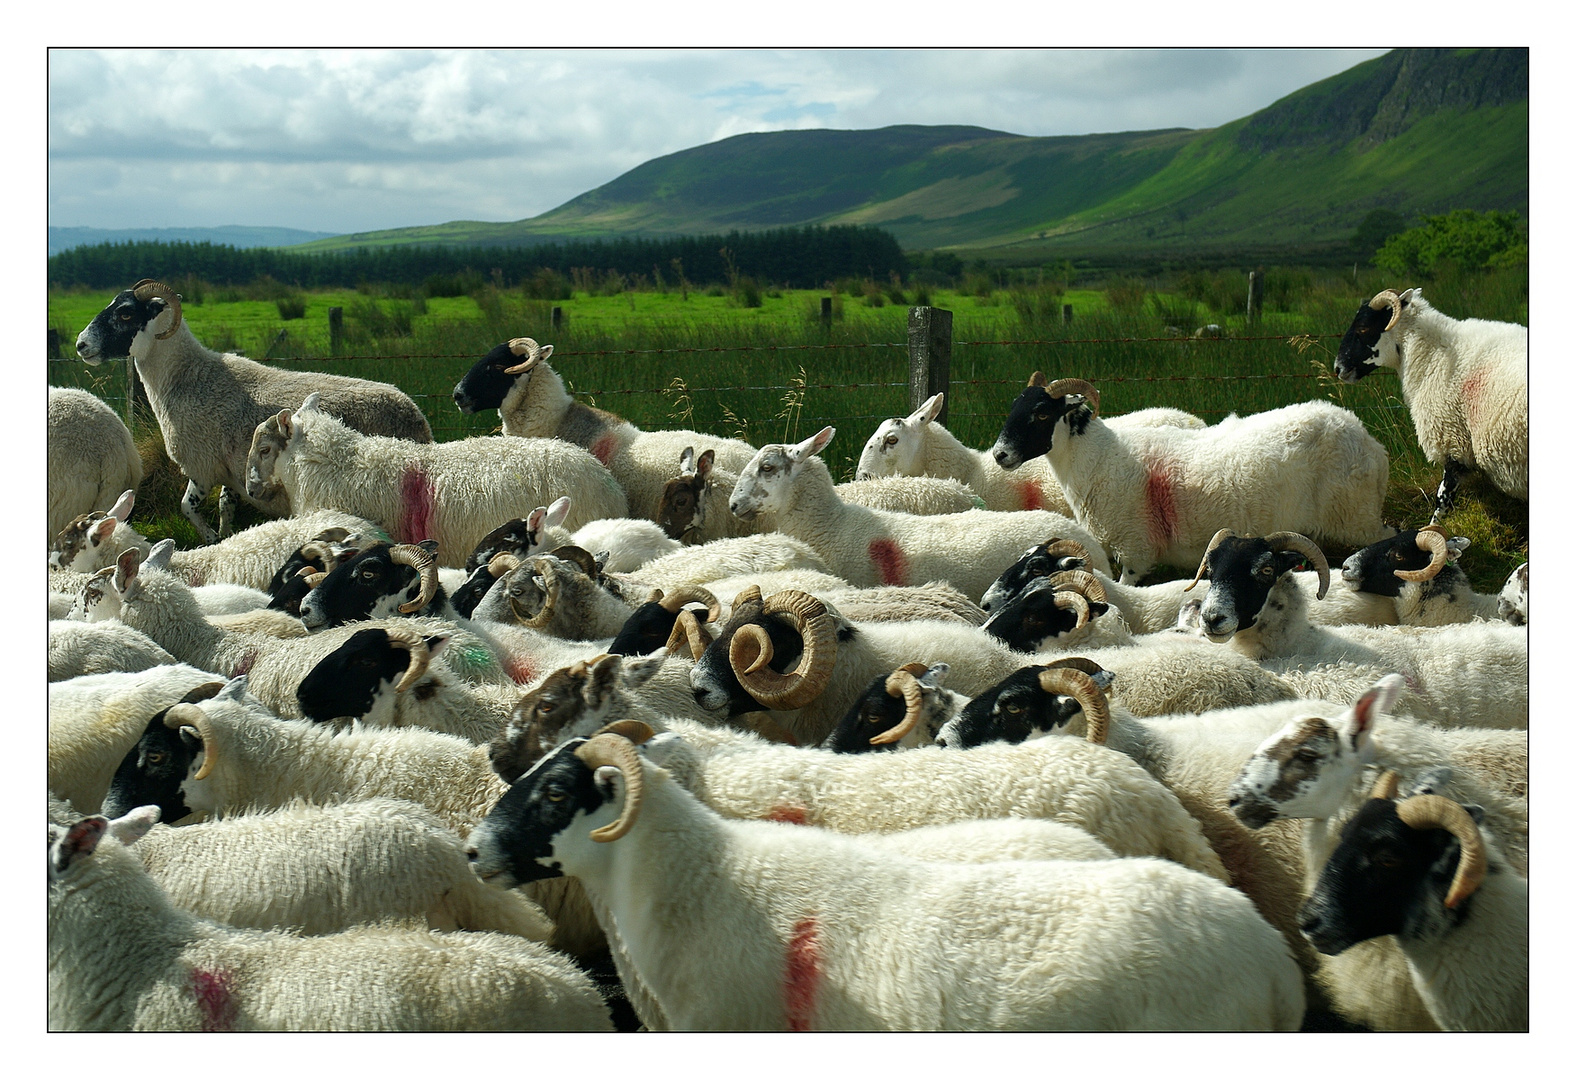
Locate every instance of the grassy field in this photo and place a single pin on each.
(773, 373)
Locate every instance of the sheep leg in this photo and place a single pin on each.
(226, 510)
(190, 502)
(1445, 499)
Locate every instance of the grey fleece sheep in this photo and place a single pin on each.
(92, 458)
(208, 403)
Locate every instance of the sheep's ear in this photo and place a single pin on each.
(126, 566)
(78, 843)
(930, 409)
(102, 531)
(284, 420)
(235, 689)
(934, 674)
(159, 557)
(134, 824)
(601, 680)
(533, 521)
(122, 508)
(1357, 726)
(687, 462)
(813, 445)
(436, 643)
(557, 513)
(430, 547)
(638, 670)
(311, 402)
(546, 351)
(1431, 781)
(660, 748)
(704, 464)
(1455, 545)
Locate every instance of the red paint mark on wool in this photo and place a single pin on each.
(1030, 495)
(603, 448)
(803, 979)
(244, 664)
(211, 988)
(519, 668)
(196, 577)
(891, 567)
(1472, 389)
(418, 504)
(789, 815)
(1161, 498)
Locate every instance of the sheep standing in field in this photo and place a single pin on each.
(1157, 494)
(453, 492)
(92, 459)
(883, 547)
(208, 404)
(122, 957)
(516, 379)
(1464, 381)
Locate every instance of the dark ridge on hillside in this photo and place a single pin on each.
(1378, 100)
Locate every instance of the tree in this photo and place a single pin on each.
(1466, 238)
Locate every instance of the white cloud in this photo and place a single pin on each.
(353, 140)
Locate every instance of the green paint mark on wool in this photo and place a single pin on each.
(979, 503)
(476, 657)
(380, 536)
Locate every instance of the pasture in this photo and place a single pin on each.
(772, 373)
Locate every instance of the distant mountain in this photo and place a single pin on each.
(1416, 131)
(63, 238)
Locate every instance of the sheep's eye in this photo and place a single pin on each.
(891, 440)
(554, 793)
(544, 707)
(156, 758)
(1306, 754)
(125, 316)
(1386, 860)
(1266, 571)
(767, 470)
(1014, 709)
(265, 451)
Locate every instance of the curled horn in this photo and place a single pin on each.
(1080, 581)
(687, 628)
(636, 731)
(1438, 812)
(903, 683)
(1055, 549)
(1203, 564)
(1063, 387)
(425, 565)
(1072, 600)
(1430, 538)
(186, 714)
(1387, 299)
(147, 289)
(1386, 786)
(577, 555)
(501, 563)
(528, 348)
(1074, 683)
(313, 579)
(551, 587)
(1290, 541)
(609, 748)
(689, 594)
(751, 650)
(1079, 663)
(409, 639)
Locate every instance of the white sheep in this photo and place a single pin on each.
(918, 445)
(91, 458)
(874, 547)
(1464, 382)
(1427, 871)
(824, 932)
(209, 403)
(629, 542)
(516, 379)
(1157, 494)
(122, 957)
(322, 869)
(453, 492)
(1513, 597)
(78, 648)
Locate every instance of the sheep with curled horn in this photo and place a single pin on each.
(1415, 574)
(207, 403)
(898, 711)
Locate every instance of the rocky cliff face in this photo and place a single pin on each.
(1376, 101)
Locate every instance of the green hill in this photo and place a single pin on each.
(1416, 130)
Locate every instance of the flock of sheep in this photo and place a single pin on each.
(584, 727)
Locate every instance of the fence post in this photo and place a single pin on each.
(336, 330)
(54, 344)
(929, 356)
(558, 317)
(1255, 295)
(826, 311)
(1067, 314)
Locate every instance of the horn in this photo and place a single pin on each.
(1203, 564)
(689, 594)
(411, 640)
(528, 348)
(612, 749)
(1386, 786)
(1430, 538)
(1387, 299)
(1438, 812)
(752, 595)
(750, 650)
(1076, 684)
(904, 684)
(184, 714)
(1079, 663)
(549, 601)
(577, 555)
(1290, 541)
(1072, 600)
(1081, 582)
(501, 563)
(1055, 548)
(1063, 387)
(313, 580)
(147, 289)
(687, 628)
(636, 731)
(425, 565)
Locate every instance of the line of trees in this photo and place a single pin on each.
(793, 257)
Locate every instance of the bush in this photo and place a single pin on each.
(1376, 228)
(461, 283)
(1176, 311)
(1126, 295)
(291, 307)
(1221, 291)
(874, 297)
(378, 323)
(547, 284)
(1466, 238)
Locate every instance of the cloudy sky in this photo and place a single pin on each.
(344, 141)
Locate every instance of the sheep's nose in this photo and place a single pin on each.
(472, 854)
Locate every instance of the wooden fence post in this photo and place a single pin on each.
(1255, 295)
(826, 311)
(1067, 314)
(54, 344)
(336, 330)
(558, 317)
(929, 356)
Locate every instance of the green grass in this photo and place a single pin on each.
(774, 373)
